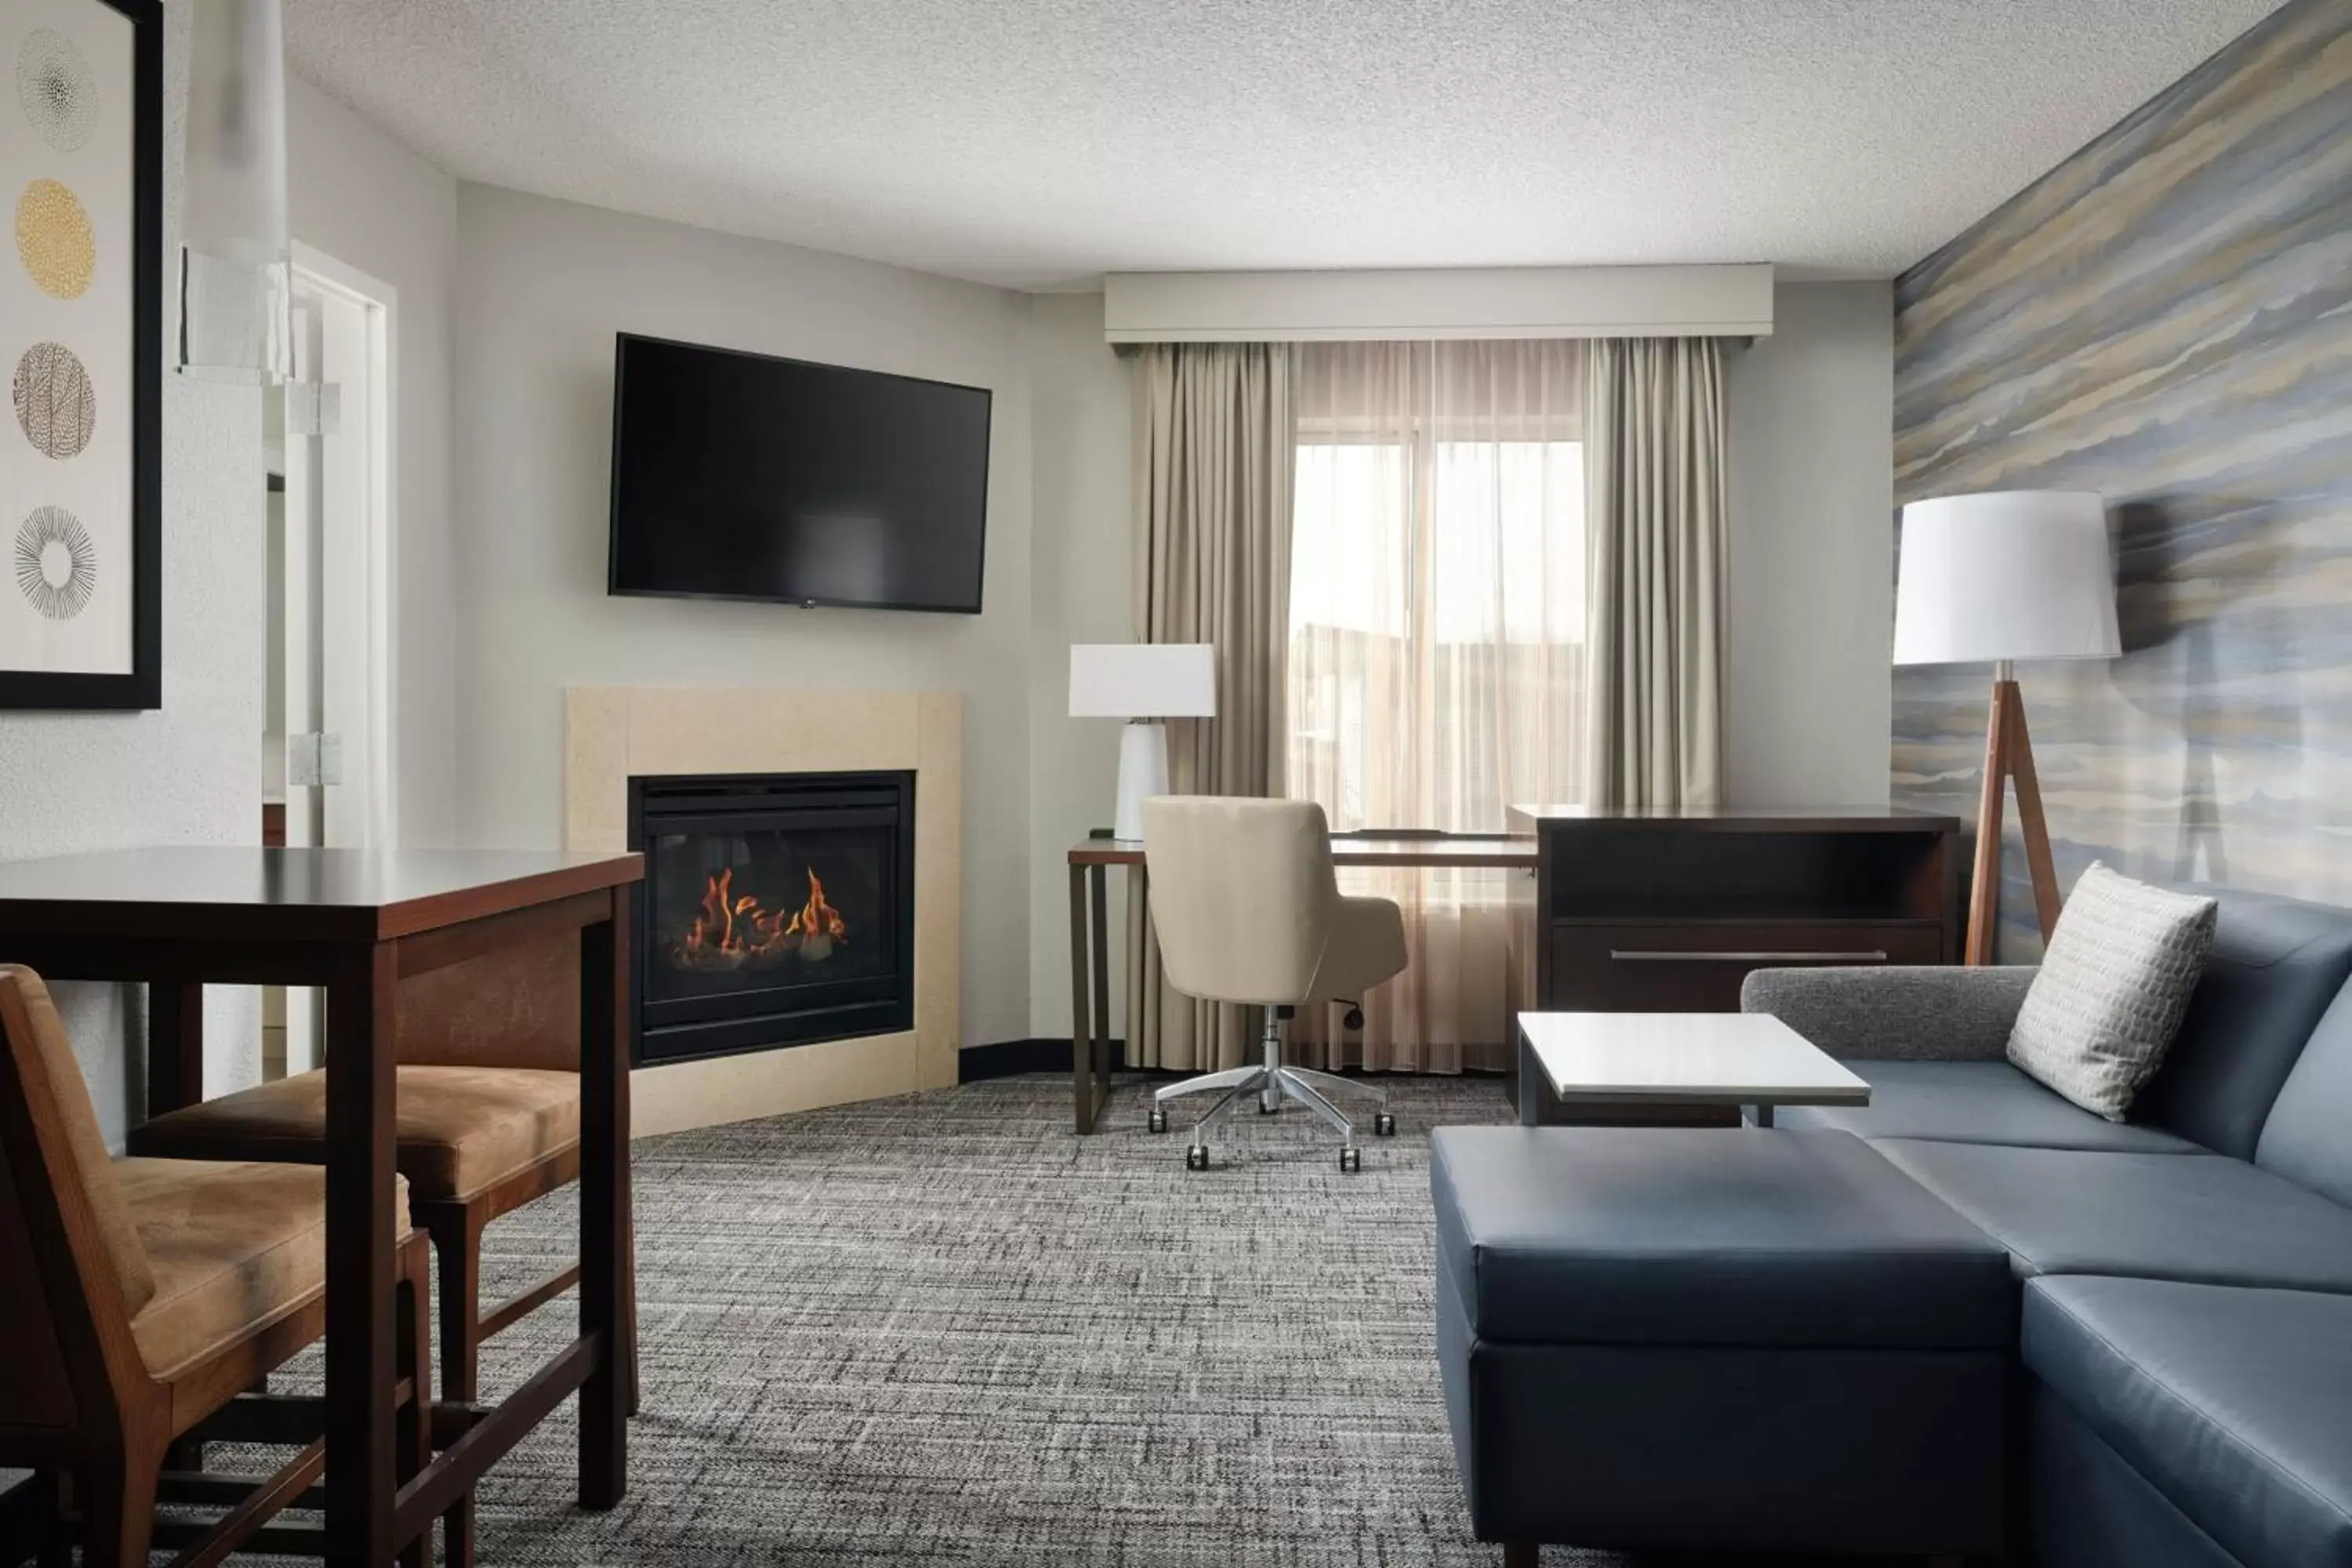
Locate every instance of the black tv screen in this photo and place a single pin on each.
(738, 475)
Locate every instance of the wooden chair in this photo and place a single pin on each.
(141, 1299)
(486, 1118)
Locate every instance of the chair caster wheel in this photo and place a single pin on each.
(1158, 1120)
(1383, 1125)
(1351, 1160)
(1355, 1018)
(1196, 1158)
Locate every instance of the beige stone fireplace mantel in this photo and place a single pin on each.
(612, 733)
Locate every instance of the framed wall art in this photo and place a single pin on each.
(81, 172)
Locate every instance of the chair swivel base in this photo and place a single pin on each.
(1269, 1084)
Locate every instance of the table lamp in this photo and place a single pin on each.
(2003, 576)
(1142, 682)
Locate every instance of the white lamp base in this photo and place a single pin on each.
(1143, 774)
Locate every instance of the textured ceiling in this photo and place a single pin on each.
(1036, 143)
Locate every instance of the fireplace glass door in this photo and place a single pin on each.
(776, 911)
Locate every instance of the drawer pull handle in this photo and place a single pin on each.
(1639, 955)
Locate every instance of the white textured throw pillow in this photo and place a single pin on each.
(2113, 984)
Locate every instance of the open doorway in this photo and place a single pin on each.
(326, 716)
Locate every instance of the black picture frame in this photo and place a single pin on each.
(143, 688)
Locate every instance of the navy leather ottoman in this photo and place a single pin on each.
(1698, 1339)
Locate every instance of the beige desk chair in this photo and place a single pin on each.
(1249, 909)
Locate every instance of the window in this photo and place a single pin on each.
(1437, 582)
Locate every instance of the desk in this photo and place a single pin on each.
(356, 921)
(1090, 863)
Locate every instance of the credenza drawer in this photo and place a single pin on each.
(1696, 967)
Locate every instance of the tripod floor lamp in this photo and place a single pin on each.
(2001, 578)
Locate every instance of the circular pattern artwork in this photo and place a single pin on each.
(55, 240)
(55, 85)
(57, 566)
(55, 407)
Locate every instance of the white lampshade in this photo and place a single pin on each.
(1143, 680)
(236, 274)
(2008, 575)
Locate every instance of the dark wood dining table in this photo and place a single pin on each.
(357, 922)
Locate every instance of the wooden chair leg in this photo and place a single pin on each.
(457, 1255)
(413, 1441)
(1521, 1554)
(56, 1548)
(118, 1503)
(457, 1533)
(629, 1321)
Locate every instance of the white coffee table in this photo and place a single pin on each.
(1679, 1058)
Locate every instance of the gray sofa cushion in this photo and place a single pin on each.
(1699, 1236)
(1974, 1103)
(2275, 967)
(2157, 1216)
(1914, 1012)
(2237, 1405)
(2308, 1138)
(2088, 1508)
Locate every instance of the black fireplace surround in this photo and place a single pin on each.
(777, 910)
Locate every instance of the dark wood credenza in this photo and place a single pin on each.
(1667, 911)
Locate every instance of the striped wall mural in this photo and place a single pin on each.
(2165, 318)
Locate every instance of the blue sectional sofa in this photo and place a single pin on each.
(2186, 1318)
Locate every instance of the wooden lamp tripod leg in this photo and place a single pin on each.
(2008, 755)
(2030, 820)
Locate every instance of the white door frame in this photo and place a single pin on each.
(373, 640)
(354, 623)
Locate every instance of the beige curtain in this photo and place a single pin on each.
(1655, 449)
(1436, 659)
(1213, 456)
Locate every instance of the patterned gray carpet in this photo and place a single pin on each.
(943, 1330)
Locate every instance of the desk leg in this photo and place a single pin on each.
(1530, 1083)
(1081, 1005)
(362, 1460)
(605, 1238)
(1099, 1052)
(175, 1045)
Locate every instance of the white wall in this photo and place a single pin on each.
(542, 288)
(190, 772)
(1080, 591)
(1807, 701)
(368, 202)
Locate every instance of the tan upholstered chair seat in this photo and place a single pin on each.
(457, 1129)
(233, 1248)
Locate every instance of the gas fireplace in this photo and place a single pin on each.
(777, 910)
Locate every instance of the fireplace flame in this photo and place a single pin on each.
(736, 929)
(817, 918)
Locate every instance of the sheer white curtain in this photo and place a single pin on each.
(1435, 671)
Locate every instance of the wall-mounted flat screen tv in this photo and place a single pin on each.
(739, 476)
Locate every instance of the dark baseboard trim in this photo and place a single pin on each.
(975, 1064)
